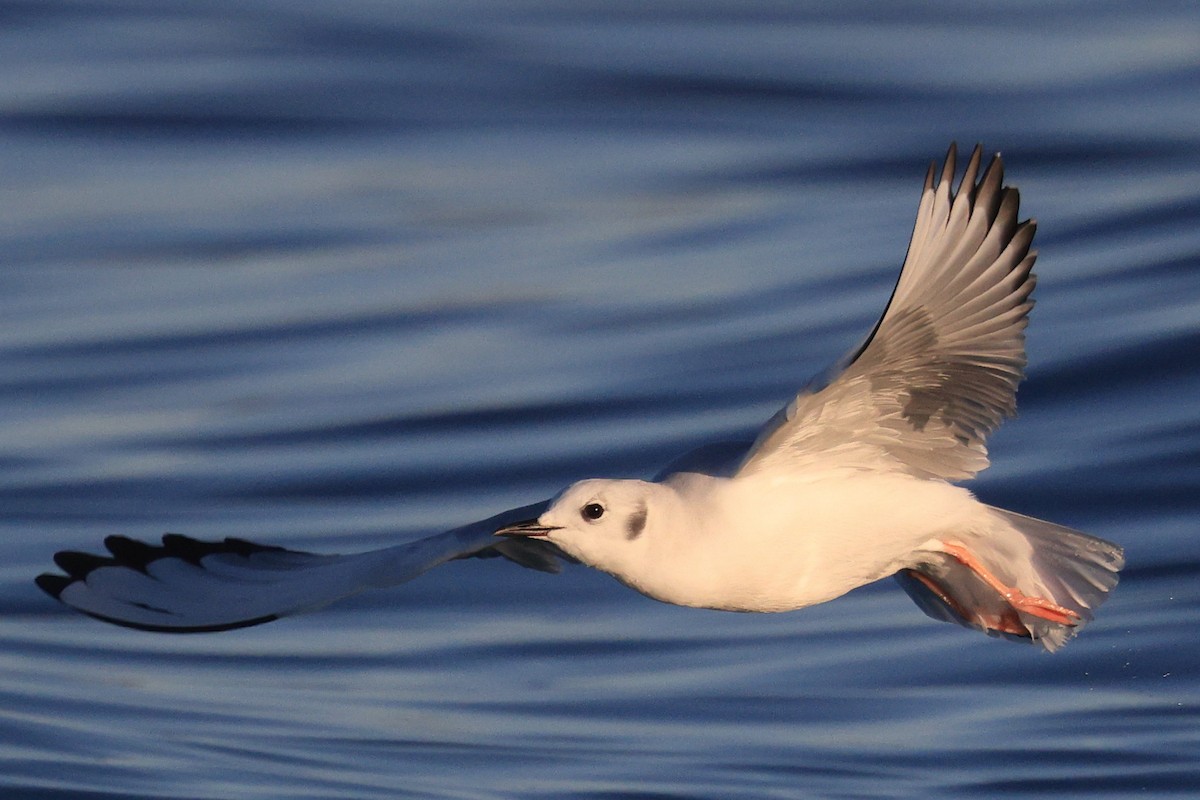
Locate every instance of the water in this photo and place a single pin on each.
(332, 275)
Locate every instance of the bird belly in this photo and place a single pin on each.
(785, 545)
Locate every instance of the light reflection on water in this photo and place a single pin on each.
(367, 272)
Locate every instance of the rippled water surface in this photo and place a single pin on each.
(331, 276)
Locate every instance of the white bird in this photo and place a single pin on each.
(849, 483)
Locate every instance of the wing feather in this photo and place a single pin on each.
(939, 372)
(191, 586)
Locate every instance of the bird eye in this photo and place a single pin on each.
(592, 512)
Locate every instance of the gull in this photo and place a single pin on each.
(854, 480)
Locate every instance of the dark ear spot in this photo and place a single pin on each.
(636, 523)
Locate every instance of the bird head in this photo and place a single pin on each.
(599, 522)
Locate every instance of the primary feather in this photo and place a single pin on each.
(940, 371)
(189, 586)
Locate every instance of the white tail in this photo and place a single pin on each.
(1070, 569)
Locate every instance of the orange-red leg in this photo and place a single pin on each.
(1008, 623)
(1034, 606)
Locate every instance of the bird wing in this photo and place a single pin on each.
(940, 370)
(191, 586)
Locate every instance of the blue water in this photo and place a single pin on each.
(332, 275)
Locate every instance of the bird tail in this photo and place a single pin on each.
(1072, 571)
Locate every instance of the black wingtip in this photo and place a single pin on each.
(135, 554)
(53, 584)
(78, 565)
(950, 164)
(151, 628)
(193, 550)
(132, 553)
(967, 184)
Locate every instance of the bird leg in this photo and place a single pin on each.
(1034, 606)
(1007, 622)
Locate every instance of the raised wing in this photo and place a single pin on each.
(190, 586)
(940, 371)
